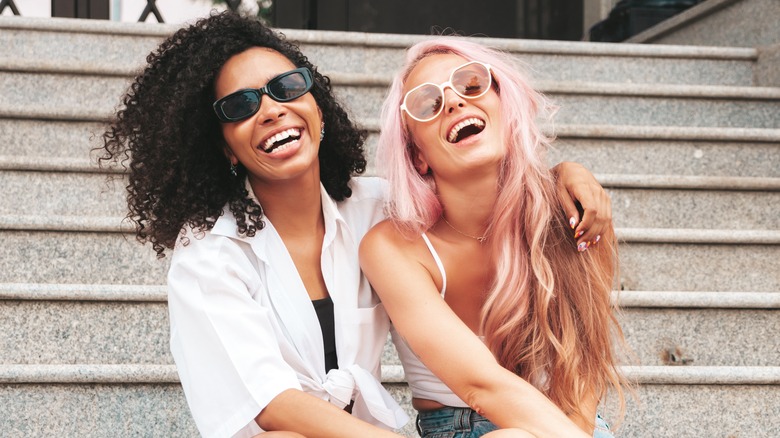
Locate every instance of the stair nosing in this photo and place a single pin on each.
(154, 373)
(158, 293)
(115, 224)
(689, 182)
(616, 181)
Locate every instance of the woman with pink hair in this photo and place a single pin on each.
(478, 243)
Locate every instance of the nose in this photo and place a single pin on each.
(270, 110)
(452, 100)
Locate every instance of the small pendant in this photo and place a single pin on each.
(481, 239)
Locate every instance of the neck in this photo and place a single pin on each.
(468, 202)
(294, 207)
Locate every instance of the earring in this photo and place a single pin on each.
(233, 169)
(322, 132)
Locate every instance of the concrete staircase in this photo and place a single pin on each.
(688, 147)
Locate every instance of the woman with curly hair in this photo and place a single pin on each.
(243, 162)
(485, 249)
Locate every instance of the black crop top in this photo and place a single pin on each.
(324, 309)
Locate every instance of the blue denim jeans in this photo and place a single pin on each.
(466, 423)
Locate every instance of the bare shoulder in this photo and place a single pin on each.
(384, 236)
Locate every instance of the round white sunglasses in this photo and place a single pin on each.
(426, 101)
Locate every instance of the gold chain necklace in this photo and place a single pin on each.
(480, 239)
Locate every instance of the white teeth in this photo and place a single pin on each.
(456, 129)
(279, 136)
(282, 147)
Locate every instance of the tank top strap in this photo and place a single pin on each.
(439, 264)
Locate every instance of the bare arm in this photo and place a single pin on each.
(447, 346)
(576, 183)
(296, 411)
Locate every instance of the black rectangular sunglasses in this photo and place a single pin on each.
(282, 88)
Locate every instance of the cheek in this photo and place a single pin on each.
(237, 135)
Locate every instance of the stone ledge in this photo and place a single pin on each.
(635, 235)
(119, 293)
(659, 90)
(54, 164)
(635, 132)
(391, 40)
(694, 375)
(650, 375)
(653, 182)
(88, 98)
(626, 299)
(82, 292)
(687, 235)
(698, 300)
(617, 181)
(88, 224)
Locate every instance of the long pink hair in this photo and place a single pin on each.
(548, 315)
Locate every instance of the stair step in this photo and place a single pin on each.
(52, 139)
(90, 97)
(83, 253)
(94, 410)
(113, 324)
(158, 293)
(67, 145)
(616, 104)
(668, 407)
(703, 209)
(94, 251)
(62, 194)
(153, 373)
(68, 332)
(97, 404)
(683, 151)
(120, 49)
(706, 337)
(663, 264)
(661, 201)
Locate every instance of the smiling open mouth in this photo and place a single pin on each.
(465, 129)
(281, 140)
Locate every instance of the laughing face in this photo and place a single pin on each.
(280, 141)
(466, 134)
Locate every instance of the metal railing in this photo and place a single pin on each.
(69, 5)
(10, 4)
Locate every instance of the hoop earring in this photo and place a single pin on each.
(233, 169)
(322, 132)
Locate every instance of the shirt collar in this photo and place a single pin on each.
(227, 226)
(334, 220)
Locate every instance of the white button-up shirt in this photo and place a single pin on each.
(243, 328)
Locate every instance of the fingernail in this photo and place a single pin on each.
(572, 222)
(596, 240)
(583, 246)
(579, 233)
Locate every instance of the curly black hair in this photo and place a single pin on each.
(167, 130)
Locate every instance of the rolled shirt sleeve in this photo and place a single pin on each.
(223, 341)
